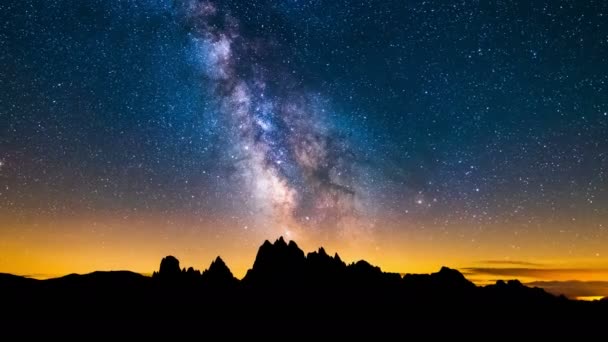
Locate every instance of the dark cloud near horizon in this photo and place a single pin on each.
(574, 288)
(543, 273)
(569, 288)
(510, 262)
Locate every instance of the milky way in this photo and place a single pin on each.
(299, 175)
(407, 133)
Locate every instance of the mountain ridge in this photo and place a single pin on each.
(275, 261)
(286, 292)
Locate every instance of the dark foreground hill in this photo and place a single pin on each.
(287, 295)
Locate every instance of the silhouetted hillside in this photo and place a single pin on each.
(286, 293)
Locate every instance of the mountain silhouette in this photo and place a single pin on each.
(287, 294)
(218, 274)
(277, 264)
(169, 269)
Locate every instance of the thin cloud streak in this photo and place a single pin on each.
(510, 262)
(533, 272)
(574, 288)
(571, 282)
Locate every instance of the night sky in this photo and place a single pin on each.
(413, 134)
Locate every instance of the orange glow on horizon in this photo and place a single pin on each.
(51, 247)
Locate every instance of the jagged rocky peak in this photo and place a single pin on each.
(218, 262)
(219, 267)
(279, 248)
(169, 266)
(218, 273)
(337, 257)
(278, 260)
(292, 244)
(320, 253)
(280, 242)
(320, 256)
(192, 273)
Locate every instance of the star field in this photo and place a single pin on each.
(409, 133)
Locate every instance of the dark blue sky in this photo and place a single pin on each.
(468, 111)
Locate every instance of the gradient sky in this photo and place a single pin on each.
(413, 134)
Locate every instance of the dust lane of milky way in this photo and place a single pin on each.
(299, 174)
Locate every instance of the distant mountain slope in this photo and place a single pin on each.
(288, 294)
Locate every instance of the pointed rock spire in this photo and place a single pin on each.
(218, 274)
